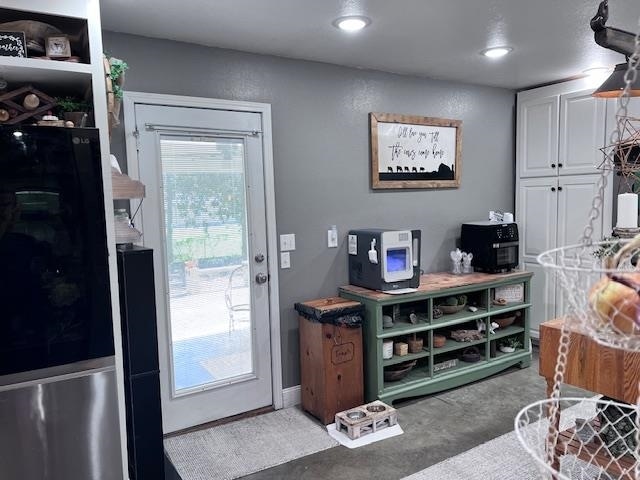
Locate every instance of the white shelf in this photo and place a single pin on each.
(40, 72)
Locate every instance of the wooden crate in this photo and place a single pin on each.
(330, 362)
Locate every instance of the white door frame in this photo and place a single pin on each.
(264, 109)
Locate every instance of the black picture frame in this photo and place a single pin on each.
(13, 44)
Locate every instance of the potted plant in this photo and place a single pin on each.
(509, 345)
(73, 109)
(114, 71)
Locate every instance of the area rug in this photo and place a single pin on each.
(240, 448)
(504, 458)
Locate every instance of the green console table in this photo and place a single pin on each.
(441, 368)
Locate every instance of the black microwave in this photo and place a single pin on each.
(494, 245)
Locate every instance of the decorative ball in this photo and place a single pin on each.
(69, 124)
(31, 102)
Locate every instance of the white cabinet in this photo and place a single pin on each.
(543, 296)
(582, 132)
(538, 136)
(559, 133)
(536, 215)
(552, 212)
(575, 197)
(560, 130)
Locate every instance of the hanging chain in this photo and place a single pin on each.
(630, 77)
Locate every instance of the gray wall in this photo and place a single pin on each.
(321, 153)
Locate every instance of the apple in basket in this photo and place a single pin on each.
(615, 299)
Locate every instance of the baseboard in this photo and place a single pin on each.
(291, 396)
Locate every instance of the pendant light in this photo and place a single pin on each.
(612, 87)
(619, 41)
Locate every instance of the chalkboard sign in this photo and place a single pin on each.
(415, 152)
(13, 44)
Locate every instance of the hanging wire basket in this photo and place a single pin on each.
(595, 438)
(601, 286)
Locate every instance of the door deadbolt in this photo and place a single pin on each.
(259, 257)
(261, 278)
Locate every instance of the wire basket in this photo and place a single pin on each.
(594, 438)
(602, 288)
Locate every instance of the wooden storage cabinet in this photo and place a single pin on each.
(330, 357)
(424, 378)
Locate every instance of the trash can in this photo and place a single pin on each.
(330, 356)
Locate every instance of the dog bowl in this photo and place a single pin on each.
(356, 415)
(376, 408)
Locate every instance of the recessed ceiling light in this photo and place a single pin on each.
(351, 23)
(496, 52)
(597, 71)
(17, 134)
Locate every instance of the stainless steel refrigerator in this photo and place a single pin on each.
(58, 403)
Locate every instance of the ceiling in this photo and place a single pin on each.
(435, 38)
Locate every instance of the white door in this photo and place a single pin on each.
(538, 137)
(582, 132)
(575, 198)
(204, 215)
(544, 289)
(536, 213)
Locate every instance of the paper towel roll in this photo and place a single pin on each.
(627, 210)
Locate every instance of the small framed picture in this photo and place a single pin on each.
(13, 44)
(58, 46)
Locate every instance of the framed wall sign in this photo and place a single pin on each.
(410, 151)
(58, 46)
(13, 44)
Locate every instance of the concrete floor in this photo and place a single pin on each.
(436, 427)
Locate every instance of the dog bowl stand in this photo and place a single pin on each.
(371, 422)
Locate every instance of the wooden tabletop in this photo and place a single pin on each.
(610, 371)
(433, 282)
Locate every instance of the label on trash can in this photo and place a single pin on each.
(342, 353)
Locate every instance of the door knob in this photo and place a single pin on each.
(261, 278)
(259, 257)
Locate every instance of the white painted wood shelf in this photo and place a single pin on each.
(39, 72)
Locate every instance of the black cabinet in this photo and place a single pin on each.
(141, 370)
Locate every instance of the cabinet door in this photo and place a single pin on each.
(538, 137)
(536, 215)
(582, 132)
(575, 196)
(543, 297)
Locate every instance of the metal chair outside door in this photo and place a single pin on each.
(238, 279)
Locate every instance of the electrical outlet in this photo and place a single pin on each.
(285, 260)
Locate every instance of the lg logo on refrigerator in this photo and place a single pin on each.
(78, 140)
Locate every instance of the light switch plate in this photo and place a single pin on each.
(287, 242)
(332, 238)
(285, 260)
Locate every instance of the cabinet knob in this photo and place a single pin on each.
(559, 165)
(553, 165)
(553, 189)
(559, 189)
